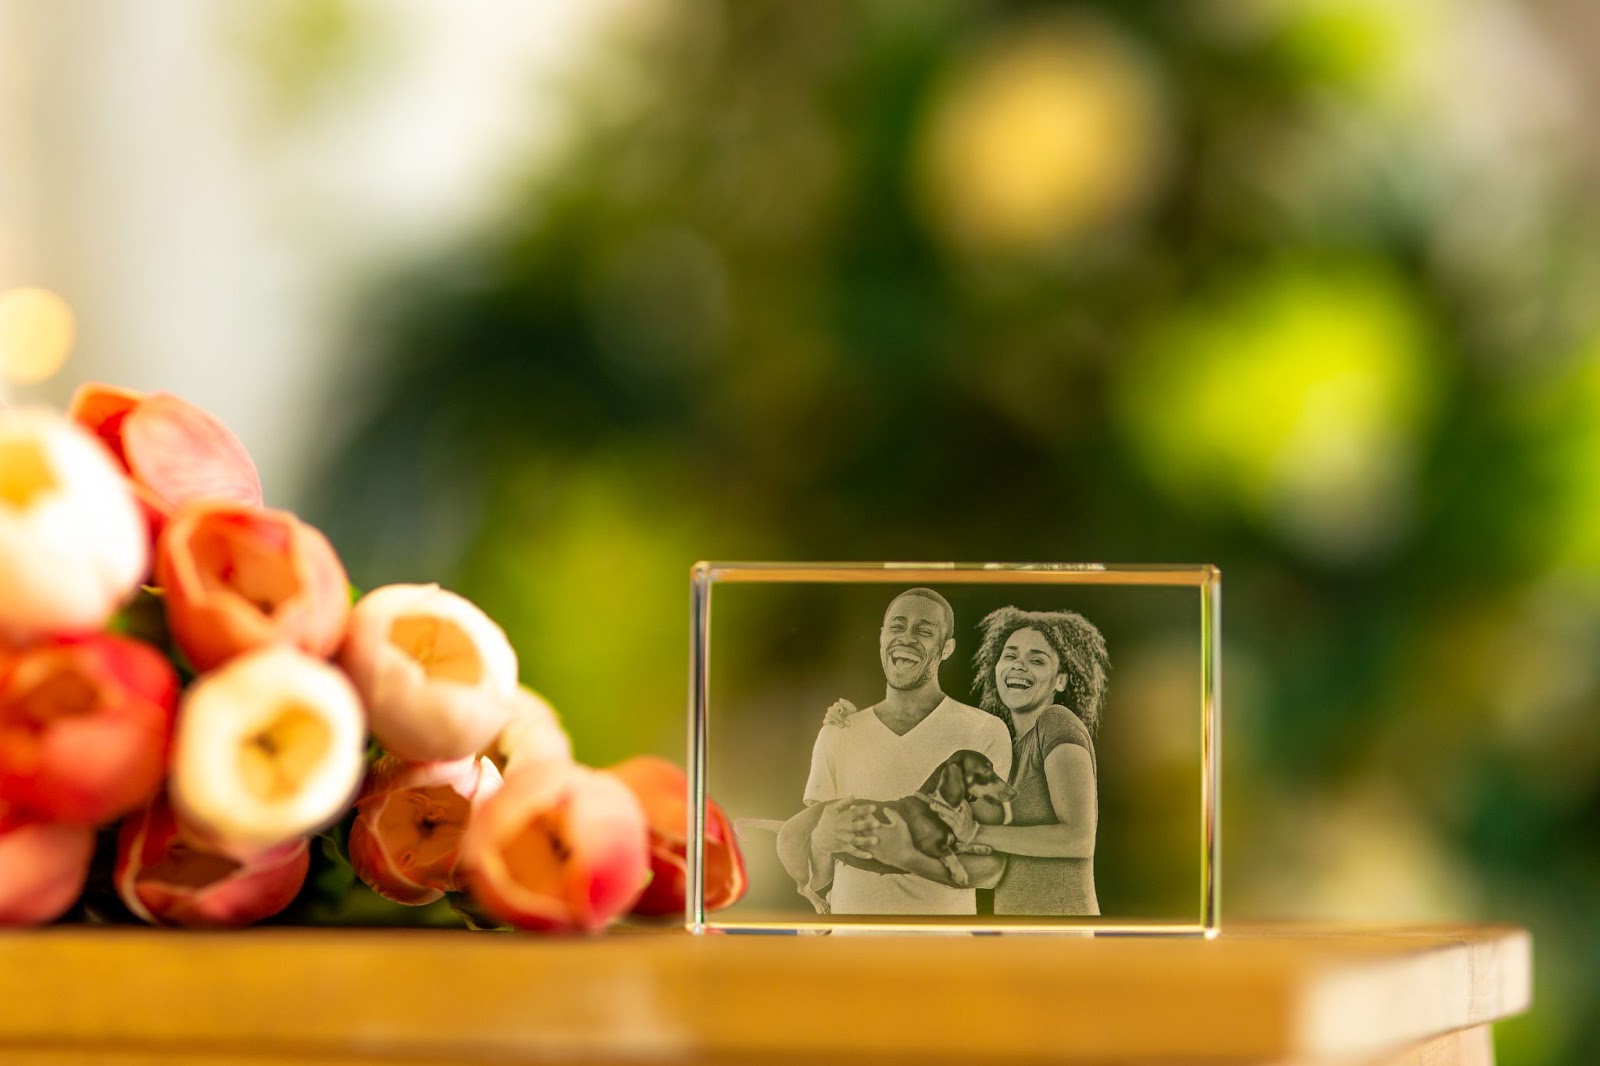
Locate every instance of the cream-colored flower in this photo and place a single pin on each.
(72, 543)
(532, 733)
(436, 673)
(269, 747)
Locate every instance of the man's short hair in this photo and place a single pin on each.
(942, 603)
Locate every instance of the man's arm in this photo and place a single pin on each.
(830, 825)
(894, 848)
(984, 871)
(808, 842)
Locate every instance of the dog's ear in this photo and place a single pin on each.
(947, 782)
(952, 784)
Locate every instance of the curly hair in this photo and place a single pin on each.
(1077, 644)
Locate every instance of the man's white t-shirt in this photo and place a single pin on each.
(866, 759)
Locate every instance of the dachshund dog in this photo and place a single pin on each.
(966, 778)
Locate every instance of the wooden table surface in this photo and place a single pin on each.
(1260, 993)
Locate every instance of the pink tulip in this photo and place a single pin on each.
(405, 843)
(663, 790)
(560, 846)
(85, 727)
(172, 451)
(239, 578)
(168, 876)
(43, 866)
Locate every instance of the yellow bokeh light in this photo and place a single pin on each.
(1050, 131)
(36, 334)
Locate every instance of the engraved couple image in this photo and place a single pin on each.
(917, 800)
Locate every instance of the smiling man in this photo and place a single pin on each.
(887, 751)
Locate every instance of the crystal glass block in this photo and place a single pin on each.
(960, 747)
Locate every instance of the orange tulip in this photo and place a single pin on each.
(405, 843)
(560, 846)
(239, 578)
(85, 727)
(663, 792)
(172, 451)
(43, 866)
(168, 876)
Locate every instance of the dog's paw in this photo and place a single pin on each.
(820, 903)
(958, 873)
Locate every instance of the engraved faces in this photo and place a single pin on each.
(1028, 673)
(915, 639)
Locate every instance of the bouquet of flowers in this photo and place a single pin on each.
(185, 678)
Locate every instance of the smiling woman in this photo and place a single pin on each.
(1029, 659)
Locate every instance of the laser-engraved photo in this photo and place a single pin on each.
(918, 799)
(893, 751)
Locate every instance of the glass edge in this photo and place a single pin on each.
(699, 654)
(1211, 753)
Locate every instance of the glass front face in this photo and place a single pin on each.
(969, 746)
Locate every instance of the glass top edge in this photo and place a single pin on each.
(1189, 574)
(719, 566)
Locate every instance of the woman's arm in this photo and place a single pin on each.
(1069, 773)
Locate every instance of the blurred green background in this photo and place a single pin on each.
(1304, 288)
